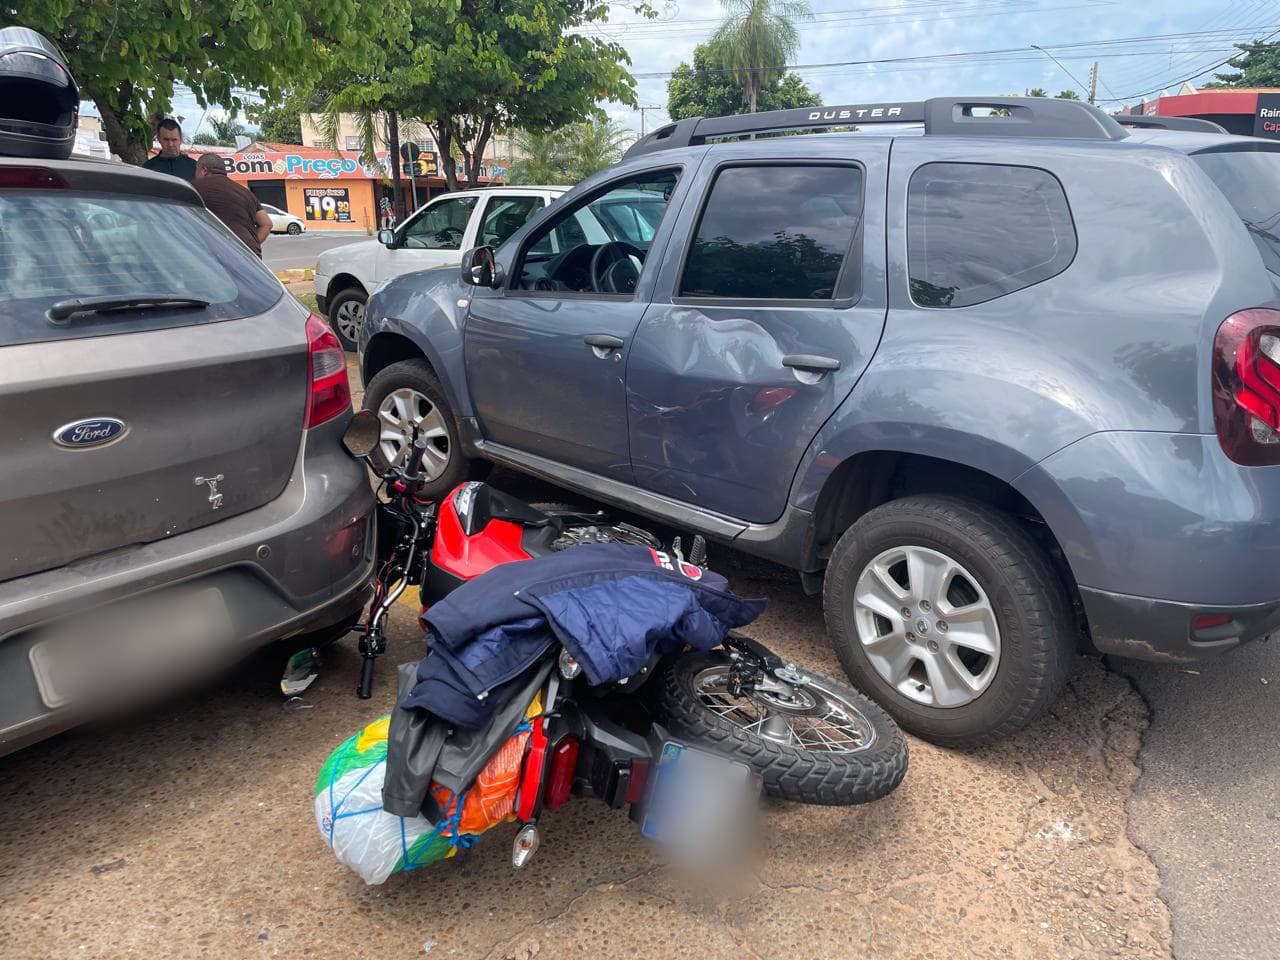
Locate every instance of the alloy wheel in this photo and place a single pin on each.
(927, 626)
(402, 410)
(349, 318)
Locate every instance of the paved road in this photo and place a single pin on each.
(1207, 807)
(283, 252)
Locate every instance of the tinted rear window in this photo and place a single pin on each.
(775, 232)
(57, 245)
(1251, 182)
(980, 231)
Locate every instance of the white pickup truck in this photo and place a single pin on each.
(434, 235)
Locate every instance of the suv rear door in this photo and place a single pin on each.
(133, 425)
(770, 303)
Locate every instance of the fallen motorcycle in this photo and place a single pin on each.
(685, 740)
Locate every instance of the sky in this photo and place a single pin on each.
(1192, 35)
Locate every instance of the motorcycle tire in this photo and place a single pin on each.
(860, 756)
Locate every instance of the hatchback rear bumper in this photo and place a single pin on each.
(300, 563)
(1148, 629)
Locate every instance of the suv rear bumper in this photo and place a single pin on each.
(300, 563)
(1148, 629)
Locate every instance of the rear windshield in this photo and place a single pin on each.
(59, 245)
(1250, 179)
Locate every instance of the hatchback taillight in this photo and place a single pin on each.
(327, 368)
(1246, 386)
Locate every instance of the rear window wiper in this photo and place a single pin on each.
(62, 311)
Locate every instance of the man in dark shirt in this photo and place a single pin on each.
(171, 159)
(233, 204)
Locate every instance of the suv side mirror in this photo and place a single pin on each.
(480, 268)
(387, 238)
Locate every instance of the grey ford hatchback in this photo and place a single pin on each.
(173, 491)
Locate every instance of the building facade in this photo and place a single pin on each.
(1250, 112)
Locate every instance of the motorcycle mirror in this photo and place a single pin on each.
(362, 433)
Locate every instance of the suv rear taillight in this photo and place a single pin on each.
(327, 368)
(1246, 386)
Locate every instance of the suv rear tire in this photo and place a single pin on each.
(895, 577)
(346, 315)
(409, 392)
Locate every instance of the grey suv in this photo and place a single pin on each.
(1003, 386)
(173, 490)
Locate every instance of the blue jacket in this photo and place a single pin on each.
(610, 605)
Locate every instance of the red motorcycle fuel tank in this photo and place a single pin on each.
(477, 529)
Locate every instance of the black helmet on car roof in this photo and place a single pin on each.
(39, 100)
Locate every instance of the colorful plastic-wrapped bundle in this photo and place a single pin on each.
(376, 844)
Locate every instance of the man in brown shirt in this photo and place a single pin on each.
(233, 204)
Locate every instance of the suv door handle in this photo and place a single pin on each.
(602, 340)
(810, 363)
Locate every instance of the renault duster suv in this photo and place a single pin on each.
(1002, 385)
(173, 491)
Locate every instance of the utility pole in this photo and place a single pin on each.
(1093, 82)
(642, 113)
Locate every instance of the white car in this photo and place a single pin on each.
(432, 236)
(284, 222)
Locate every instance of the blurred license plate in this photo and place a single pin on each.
(131, 646)
(699, 799)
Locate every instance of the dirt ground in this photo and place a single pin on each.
(188, 832)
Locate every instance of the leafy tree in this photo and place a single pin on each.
(129, 56)
(1068, 95)
(705, 90)
(755, 41)
(280, 121)
(471, 68)
(1037, 92)
(206, 139)
(1257, 66)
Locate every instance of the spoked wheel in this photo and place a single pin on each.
(811, 738)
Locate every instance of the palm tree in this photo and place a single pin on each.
(1068, 95)
(756, 40)
(541, 157)
(1037, 92)
(590, 147)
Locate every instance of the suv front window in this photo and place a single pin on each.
(599, 245)
(442, 226)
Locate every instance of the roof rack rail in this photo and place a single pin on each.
(1169, 123)
(941, 116)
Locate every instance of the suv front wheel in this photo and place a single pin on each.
(405, 395)
(951, 616)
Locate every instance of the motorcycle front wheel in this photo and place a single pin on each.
(824, 743)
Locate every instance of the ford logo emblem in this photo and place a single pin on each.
(89, 433)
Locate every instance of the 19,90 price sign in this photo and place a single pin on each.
(329, 204)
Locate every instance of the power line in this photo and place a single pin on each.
(1198, 73)
(1002, 55)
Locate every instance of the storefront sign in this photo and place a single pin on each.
(327, 204)
(277, 166)
(1266, 118)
